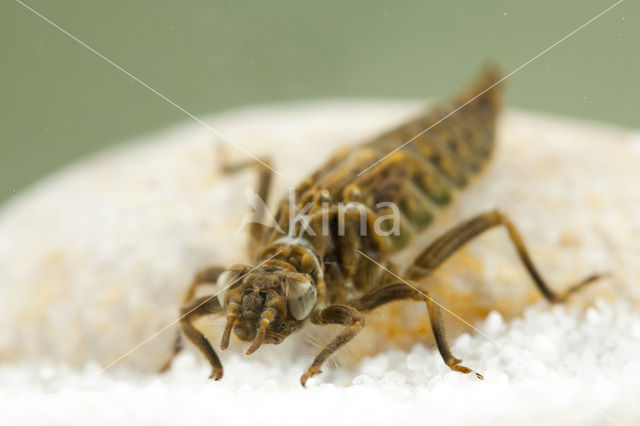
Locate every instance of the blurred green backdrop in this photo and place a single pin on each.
(59, 101)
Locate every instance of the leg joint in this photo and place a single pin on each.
(357, 321)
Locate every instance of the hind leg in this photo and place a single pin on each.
(441, 249)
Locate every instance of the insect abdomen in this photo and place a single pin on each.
(455, 139)
(448, 146)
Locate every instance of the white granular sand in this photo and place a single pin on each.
(93, 262)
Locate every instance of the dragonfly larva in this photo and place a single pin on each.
(326, 256)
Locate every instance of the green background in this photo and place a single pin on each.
(60, 102)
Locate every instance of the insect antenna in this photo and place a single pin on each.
(267, 316)
(232, 316)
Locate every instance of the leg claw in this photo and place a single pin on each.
(312, 371)
(454, 364)
(216, 374)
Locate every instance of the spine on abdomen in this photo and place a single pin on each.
(460, 135)
(449, 145)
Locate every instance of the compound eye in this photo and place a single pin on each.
(300, 291)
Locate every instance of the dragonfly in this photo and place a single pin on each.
(325, 257)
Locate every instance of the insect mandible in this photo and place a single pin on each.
(334, 266)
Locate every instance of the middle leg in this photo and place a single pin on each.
(257, 227)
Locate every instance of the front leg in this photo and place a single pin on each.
(404, 291)
(208, 276)
(206, 305)
(348, 316)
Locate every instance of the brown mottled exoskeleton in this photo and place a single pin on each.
(333, 266)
